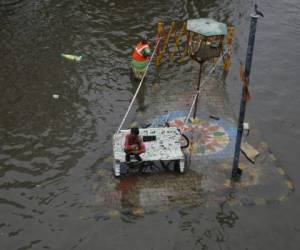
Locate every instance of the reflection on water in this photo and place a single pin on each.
(206, 233)
(140, 99)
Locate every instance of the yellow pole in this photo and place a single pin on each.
(160, 29)
(230, 31)
(186, 49)
(227, 57)
(166, 42)
(177, 41)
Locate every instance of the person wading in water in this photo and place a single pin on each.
(140, 57)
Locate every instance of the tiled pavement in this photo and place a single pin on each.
(207, 182)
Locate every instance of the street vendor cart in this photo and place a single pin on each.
(162, 148)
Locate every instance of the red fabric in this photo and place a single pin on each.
(137, 53)
(134, 144)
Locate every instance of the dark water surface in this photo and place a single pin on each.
(51, 148)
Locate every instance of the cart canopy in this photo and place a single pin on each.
(207, 27)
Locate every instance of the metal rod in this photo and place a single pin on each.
(191, 109)
(212, 69)
(198, 88)
(236, 172)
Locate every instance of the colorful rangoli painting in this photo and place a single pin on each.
(207, 137)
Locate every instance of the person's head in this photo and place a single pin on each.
(144, 39)
(134, 131)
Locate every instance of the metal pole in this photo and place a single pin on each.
(198, 88)
(236, 171)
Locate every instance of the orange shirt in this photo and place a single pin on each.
(137, 53)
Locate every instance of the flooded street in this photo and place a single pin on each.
(57, 119)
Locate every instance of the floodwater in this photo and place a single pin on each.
(51, 148)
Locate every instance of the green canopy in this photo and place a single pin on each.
(207, 27)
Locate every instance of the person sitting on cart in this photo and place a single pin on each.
(134, 145)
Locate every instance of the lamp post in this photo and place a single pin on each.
(236, 171)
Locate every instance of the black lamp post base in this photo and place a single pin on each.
(236, 173)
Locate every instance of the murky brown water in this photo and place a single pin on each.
(51, 148)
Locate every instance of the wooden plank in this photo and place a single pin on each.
(250, 152)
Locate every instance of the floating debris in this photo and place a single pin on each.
(214, 117)
(246, 126)
(55, 96)
(71, 57)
